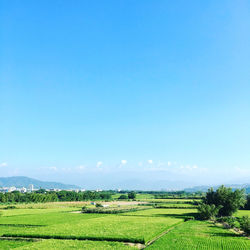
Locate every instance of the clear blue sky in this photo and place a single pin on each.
(131, 94)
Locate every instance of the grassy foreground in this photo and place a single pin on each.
(54, 226)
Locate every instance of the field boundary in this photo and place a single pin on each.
(163, 233)
(60, 237)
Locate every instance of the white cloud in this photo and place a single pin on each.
(99, 163)
(169, 163)
(123, 162)
(81, 167)
(150, 161)
(3, 164)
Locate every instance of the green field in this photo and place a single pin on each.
(62, 244)
(201, 235)
(241, 213)
(65, 224)
(61, 226)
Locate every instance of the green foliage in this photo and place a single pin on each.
(132, 195)
(175, 205)
(247, 205)
(123, 197)
(10, 207)
(113, 210)
(230, 201)
(42, 196)
(232, 222)
(208, 212)
(98, 205)
(245, 224)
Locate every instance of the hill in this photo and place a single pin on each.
(22, 181)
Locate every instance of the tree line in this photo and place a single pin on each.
(52, 196)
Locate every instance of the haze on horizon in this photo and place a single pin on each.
(125, 94)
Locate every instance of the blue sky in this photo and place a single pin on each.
(130, 94)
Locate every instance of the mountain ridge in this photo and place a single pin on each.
(23, 181)
(204, 188)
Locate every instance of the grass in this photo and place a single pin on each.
(61, 244)
(10, 244)
(196, 235)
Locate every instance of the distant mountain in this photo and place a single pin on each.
(205, 188)
(22, 181)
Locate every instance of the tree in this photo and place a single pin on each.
(208, 212)
(123, 197)
(230, 201)
(131, 195)
(247, 205)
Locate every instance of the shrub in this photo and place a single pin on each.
(10, 207)
(189, 218)
(123, 197)
(98, 205)
(84, 208)
(245, 224)
(232, 222)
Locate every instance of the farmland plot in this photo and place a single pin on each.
(88, 226)
(195, 235)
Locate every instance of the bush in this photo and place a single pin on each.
(123, 197)
(232, 222)
(189, 218)
(208, 212)
(10, 207)
(245, 224)
(98, 205)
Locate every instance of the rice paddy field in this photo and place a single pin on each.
(63, 226)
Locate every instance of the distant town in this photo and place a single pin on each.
(32, 189)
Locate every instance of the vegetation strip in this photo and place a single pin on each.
(18, 239)
(20, 225)
(59, 237)
(112, 210)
